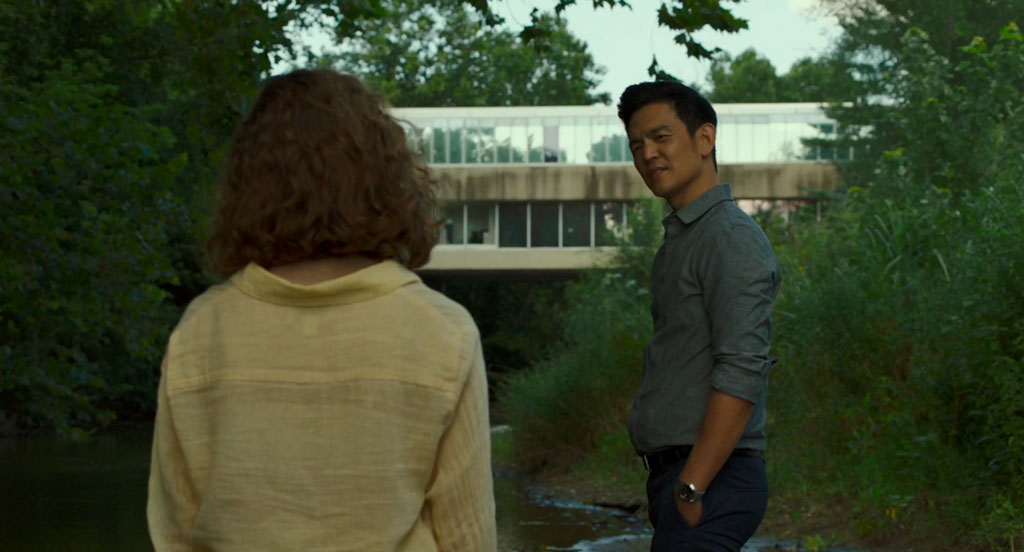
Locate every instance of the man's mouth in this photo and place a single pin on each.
(655, 172)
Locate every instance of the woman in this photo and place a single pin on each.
(322, 398)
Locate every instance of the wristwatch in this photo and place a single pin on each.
(687, 492)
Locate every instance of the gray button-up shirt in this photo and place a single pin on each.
(712, 287)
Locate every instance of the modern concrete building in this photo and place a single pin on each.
(538, 189)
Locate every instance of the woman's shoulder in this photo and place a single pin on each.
(440, 306)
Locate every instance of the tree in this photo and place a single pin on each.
(442, 54)
(87, 202)
(748, 77)
(905, 310)
(818, 80)
(873, 29)
(871, 51)
(114, 116)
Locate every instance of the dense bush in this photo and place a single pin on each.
(574, 404)
(86, 203)
(901, 321)
(900, 325)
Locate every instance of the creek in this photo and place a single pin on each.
(57, 495)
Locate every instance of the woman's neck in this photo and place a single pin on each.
(307, 273)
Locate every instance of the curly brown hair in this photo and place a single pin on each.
(318, 169)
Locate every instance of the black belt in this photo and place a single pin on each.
(658, 461)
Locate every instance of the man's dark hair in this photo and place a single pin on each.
(692, 109)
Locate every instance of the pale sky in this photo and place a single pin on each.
(623, 41)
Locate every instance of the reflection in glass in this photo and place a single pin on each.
(575, 225)
(456, 141)
(439, 146)
(567, 140)
(551, 143)
(485, 141)
(453, 225)
(480, 223)
(535, 141)
(609, 225)
(520, 141)
(544, 224)
(512, 224)
(474, 144)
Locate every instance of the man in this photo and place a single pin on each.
(698, 417)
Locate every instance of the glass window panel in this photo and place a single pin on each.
(503, 141)
(535, 141)
(414, 135)
(552, 144)
(452, 226)
(512, 224)
(438, 151)
(480, 223)
(543, 225)
(583, 133)
(486, 141)
(608, 225)
(473, 143)
(567, 140)
(456, 139)
(599, 146)
(781, 144)
(520, 141)
(576, 225)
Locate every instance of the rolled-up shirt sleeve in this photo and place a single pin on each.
(172, 503)
(460, 496)
(740, 279)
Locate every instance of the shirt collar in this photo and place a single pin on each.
(695, 209)
(372, 281)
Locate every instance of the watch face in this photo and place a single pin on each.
(687, 491)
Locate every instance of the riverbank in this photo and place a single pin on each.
(789, 525)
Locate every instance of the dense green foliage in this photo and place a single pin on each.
(114, 115)
(440, 53)
(900, 326)
(82, 310)
(752, 78)
(902, 317)
(570, 406)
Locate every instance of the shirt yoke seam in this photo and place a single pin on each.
(199, 382)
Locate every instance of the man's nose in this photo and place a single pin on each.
(648, 151)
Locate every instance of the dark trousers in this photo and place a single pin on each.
(733, 507)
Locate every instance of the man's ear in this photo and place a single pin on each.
(705, 138)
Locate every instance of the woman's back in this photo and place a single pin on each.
(346, 415)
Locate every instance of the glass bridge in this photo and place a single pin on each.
(494, 139)
(586, 135)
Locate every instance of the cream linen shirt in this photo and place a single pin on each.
(346, 415)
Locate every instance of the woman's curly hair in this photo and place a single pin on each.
(319, 169)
